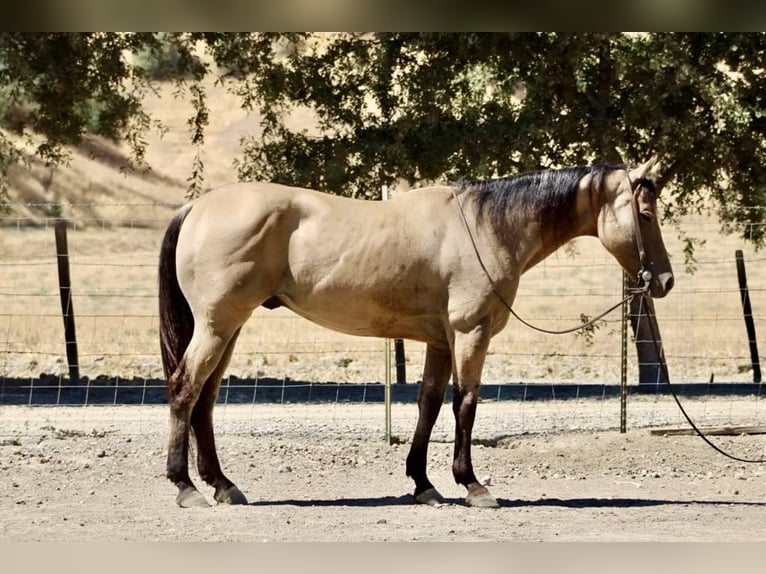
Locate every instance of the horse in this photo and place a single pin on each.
(439, 264)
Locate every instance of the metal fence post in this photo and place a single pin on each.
(624, 356)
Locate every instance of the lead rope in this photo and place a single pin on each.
(696, 429)
(655, 338)
(644, 276)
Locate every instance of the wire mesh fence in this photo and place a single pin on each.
(281, 358)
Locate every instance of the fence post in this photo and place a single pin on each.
(65, 291)
(387, 387)
(399, 360)
(387, 392)
(747, 311)
(401, 373)
(624, 357)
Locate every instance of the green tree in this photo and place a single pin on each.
(466, 105)
(63, 85)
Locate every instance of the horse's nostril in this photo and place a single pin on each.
(667, 282)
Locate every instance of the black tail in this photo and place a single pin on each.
(176, 319)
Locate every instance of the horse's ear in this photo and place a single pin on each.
(644, 170)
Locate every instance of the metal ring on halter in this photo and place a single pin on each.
(643, 282)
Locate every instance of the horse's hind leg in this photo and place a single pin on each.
(202, 424)
(436, 373)
(200, 360)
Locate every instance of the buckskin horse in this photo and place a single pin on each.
(438, 264)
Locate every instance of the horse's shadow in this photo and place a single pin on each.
(407, 500)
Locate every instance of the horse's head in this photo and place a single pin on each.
(628, 227)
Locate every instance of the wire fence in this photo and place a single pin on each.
(281, 358)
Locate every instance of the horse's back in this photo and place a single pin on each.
(249, 200)
(244, 209)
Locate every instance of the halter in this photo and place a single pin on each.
(644, 276)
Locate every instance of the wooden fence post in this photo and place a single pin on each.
(747, 311)
(401, 374)
(65, 291)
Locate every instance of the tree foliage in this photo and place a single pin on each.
(444, 106)
(452, 106)
(63, 85)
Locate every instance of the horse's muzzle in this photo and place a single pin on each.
(662, 285)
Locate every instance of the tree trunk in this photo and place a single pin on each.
(652, 369)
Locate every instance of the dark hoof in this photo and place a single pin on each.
(231, 495)
(431, 497)
(190, 497)
(479, 497)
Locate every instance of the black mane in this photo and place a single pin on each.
(529, 195)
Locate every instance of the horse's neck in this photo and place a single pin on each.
(547, 232)
(543, 249)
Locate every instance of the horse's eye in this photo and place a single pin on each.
(647, 215)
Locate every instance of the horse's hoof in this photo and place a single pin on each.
(231, 495)
(431, 497)
(191, 498)
(479, 497)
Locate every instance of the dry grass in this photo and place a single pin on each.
(118, 220)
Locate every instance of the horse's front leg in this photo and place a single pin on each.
(436, 373)
(470, 349)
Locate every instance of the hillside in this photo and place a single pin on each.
(98, 173)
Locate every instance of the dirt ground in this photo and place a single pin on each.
(325, 473)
